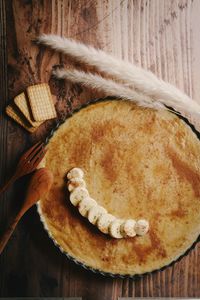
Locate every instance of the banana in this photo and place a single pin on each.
(128, 228)
(141, 227)
(85, 205)
(115, 229)
(75, 173)
(78, 195)
(104, 221)
(95, 212)
(75, 182)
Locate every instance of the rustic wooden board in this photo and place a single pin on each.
(159, 35)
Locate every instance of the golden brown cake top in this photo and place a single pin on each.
(137, 163)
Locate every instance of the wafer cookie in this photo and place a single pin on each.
(12, 112)
(22, 103)
(41, 102)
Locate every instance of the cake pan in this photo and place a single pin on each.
(97, 271)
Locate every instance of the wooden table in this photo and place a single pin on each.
(160, 35)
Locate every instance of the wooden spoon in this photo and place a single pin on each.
(40, 184)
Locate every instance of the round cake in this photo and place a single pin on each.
(137, 163)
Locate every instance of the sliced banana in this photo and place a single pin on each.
(75, 173)
(103, 222)
(85, 205)
(75, 182)
(128, 228)
(78, 195)
(141, 227)
(95, 212)
(115, 229)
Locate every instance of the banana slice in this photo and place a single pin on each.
(115, 229)
(75, 173)
(78, 195)
(141, 227)
(103, 222)
(128, 228)
(85, 205)
(75, 182)
(95, 212)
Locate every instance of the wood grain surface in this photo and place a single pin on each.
(160, 35)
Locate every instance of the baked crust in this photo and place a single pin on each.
(138, 163)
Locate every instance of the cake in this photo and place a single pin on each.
(137, 162)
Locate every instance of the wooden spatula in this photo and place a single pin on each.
(40, 184)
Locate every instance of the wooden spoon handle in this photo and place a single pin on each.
(8, 232)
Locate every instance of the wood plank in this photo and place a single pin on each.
(162, 36)
(3, 142)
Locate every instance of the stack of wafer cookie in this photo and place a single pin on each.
(31, 108)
